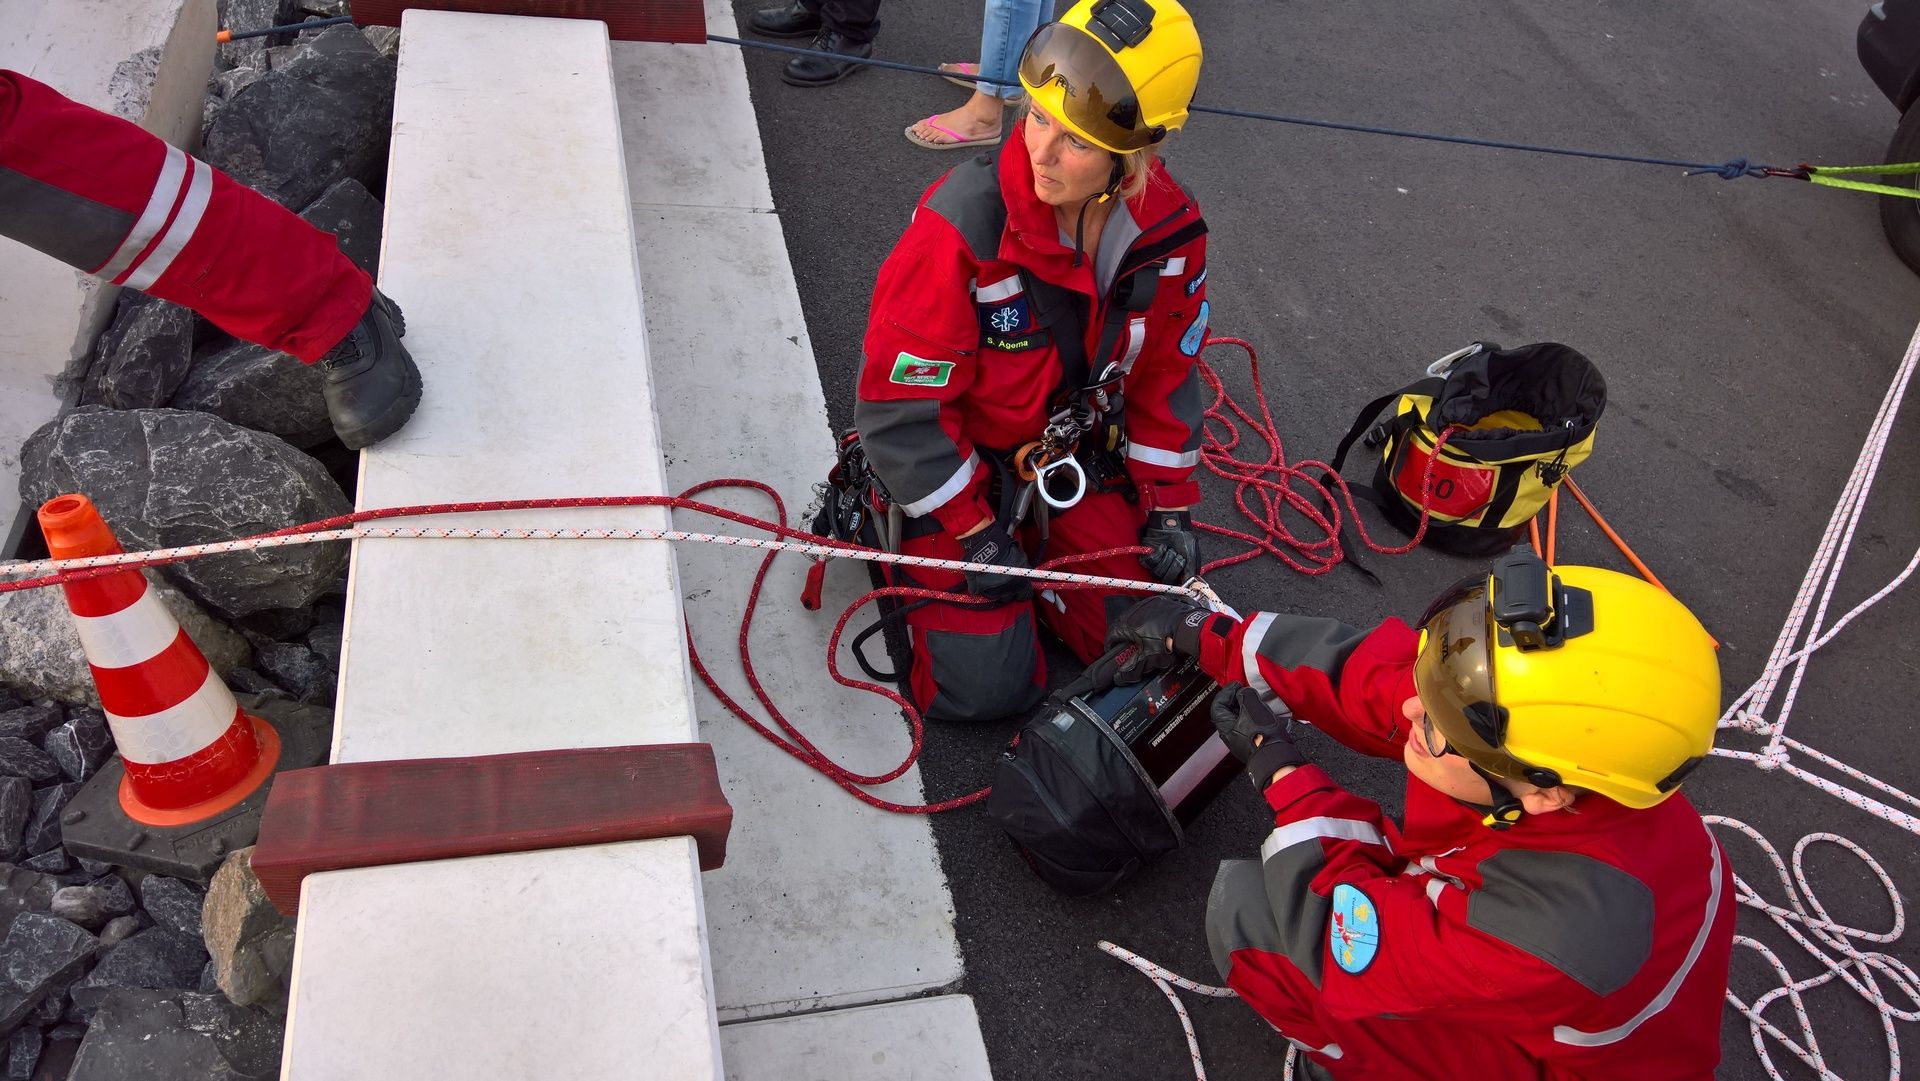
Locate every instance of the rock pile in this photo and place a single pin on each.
(184, 435)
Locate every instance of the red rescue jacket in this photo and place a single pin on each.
(1590, 945)
(956, 363)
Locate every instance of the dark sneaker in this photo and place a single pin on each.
(789, 20)
(372, 385)
(823, 70)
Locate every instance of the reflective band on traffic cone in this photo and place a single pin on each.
(190, 751)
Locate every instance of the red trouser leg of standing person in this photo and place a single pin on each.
(102, 195)
(969, 663)
(1099, 521)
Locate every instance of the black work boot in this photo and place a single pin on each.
(823, 70)
(372, 385)
(789, 20)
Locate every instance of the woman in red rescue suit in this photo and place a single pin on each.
(1060, 283)
(1550, 908)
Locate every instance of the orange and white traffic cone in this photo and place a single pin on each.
(189, 754)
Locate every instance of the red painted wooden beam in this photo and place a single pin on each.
(373, 813)
(682, 21)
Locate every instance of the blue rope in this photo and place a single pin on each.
(1729, 170)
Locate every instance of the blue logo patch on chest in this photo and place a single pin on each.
(1353, 936)
(1004, 317)
(1197, 333)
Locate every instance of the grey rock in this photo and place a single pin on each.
(10, 699)
(81, 745)
(253, 15)
(324, 640)
(82, 905)
(155, 958)
(325, 9)
(322, 117)
(23, 891)
(299, 670)
(257, 388)
(275, 625)
(94, 867)
(55, 862)
(173, 904)
(16, 800)
(23, 1054)
(18, 758)
(209, 979)
(178, 1036)
(119, 929)
(251, 943)
(50, 1009)
(222, 86)
(116, 896)
(354, 217)
(41, 952)
(43, 820)
(279, 56)
(164, 477)
(385, 40)
(142, 356)
(40, 649)
(248, 681)
(31, 723)
(131, 84)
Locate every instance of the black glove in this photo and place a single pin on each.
(1176, 548)
(1147, 626)
(1240, 715)
(993, 545)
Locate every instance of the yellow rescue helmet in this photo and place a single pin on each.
(1570, 675)
(1119, 73)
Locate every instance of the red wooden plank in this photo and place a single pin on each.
(372, 813)
(682, 21)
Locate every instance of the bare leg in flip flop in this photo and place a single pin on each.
(979, 118)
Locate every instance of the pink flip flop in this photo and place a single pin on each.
(960, 142)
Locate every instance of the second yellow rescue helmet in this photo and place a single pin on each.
(1574, 675)
(1120, 73)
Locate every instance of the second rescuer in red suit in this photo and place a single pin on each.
(1588, 941)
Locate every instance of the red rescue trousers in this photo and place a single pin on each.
(104, 196)
(982, 663)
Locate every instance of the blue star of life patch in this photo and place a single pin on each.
(1197, 333)
(1353, 936)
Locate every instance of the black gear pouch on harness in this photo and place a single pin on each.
(1096, 787)
(1526, 416)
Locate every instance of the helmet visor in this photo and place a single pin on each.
(1097, 98)
(1454, 675)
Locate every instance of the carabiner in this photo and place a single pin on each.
(1045, 474)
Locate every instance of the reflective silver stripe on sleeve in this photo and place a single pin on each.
(1332, 1050)
(192, 209)
(166, 191)
(1434, 886)
(1313, 829)
(1004, 289)
(1576, 1038)
(1136, 337)
(1250, 659)
(939, 497)
(1172, 459)
(1175, 267)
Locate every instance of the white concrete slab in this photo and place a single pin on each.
(510, 244)
(146, 61)
(926, 1039)
(691, 135)
(582, 963)
(824, 901)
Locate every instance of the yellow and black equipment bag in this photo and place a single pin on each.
(1524, 418)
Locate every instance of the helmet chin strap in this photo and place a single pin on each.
(1114, 179)
(1504, 811)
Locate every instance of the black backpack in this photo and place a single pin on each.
(1074, 799)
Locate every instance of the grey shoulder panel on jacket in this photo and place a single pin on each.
(1585, 917)
(1310, 642)
(970, 200)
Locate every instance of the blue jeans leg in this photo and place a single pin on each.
(1004, 31)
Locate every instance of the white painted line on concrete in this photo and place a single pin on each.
(926, 1039)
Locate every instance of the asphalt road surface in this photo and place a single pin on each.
(1747, 329)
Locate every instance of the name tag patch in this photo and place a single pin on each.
(920, 372)
(1194, 283)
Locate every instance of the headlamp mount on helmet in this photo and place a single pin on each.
(1532, 608)
(1121, 24)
